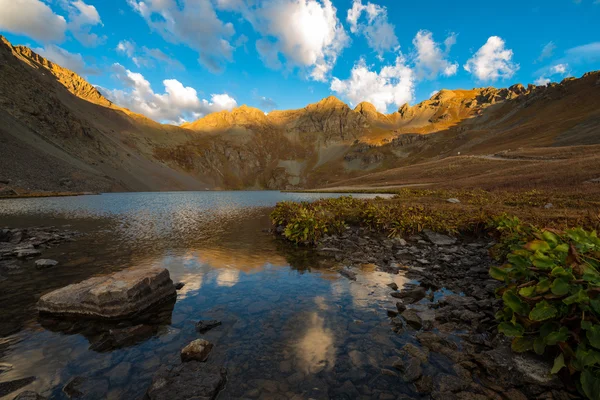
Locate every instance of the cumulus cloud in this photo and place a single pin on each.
(541, 81)
(392, 85)
(32, 18)
(193, 23)
(559, 69)
(176, 105)
(144, 56)
(82, 18)
(62, 57)
(547, 51)
(556, 69)
(492, 61)
(307, 33)
(431, 60)
(375, 26)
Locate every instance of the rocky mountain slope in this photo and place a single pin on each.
(58, 132)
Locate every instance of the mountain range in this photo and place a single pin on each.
(58, 132)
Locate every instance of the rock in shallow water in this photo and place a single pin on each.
(43, 263)
(190, 380)
(116, 296)
(11, 386)
(206, 325)
(198, 350)
(29, 395)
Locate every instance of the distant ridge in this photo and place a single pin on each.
(58, 132)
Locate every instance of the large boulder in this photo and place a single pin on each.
(190, 380)
(120, 295)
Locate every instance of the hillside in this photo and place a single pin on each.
(58, 132)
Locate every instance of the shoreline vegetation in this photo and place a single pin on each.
(544, 257)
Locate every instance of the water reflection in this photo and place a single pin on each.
(291, 324)
(316, 349)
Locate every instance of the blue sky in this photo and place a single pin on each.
(177, 60)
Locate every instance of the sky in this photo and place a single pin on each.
(178, 60)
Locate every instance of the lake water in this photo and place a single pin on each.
(292, 326)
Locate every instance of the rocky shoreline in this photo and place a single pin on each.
(447, 315)
(19, 246)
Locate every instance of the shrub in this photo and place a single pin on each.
(551, 297)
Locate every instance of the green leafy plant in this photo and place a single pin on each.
(551, 297)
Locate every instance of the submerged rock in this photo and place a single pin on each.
(206, 325)
(198, 350)
(29, 395)
(118, 338)
(190, 380)
(116, 296)
(87, 388)
(14, 385)
(348, 274)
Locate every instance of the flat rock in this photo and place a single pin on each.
(190, 380)
(439, 239)
(43, 263)
(206, 325)
(453, 200)
(198, 350)
(117, 296)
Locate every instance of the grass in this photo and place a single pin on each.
(412, 210)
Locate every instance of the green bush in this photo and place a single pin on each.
(551, 297)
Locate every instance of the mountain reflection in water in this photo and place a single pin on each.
(291, 325)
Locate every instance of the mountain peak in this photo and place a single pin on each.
(330, 102)
(365, 107)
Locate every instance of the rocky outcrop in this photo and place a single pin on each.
(116, 296)
(190, 380)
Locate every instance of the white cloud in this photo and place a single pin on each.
(547, 51)
(178, 104)
(393, 85)
(306, 32)
(145, 57)
(376, 28)
(433, 93)
(82, 18)
(32, 18)
(431, 60)
(62, 57)
(559, 69)
(541, 81)
(193, 23)
(492, 61)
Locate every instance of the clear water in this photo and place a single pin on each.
(292, 326)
